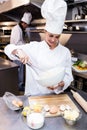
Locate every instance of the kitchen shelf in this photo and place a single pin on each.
(76, 21)
(77, 3)
(81, 74)
(75, 26)
(72, 24)
(82, 22)
(74, 32)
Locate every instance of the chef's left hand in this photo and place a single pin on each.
(61, 84)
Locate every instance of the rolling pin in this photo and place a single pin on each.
(80, 100)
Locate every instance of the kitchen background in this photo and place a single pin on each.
(74, 34)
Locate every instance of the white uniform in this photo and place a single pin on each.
(17, 36)
(44, 58)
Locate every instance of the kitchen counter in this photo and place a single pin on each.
(80, 74)
(8, 77)
(12, 120)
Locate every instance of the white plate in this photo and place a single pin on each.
(8, 98)
(78, 70)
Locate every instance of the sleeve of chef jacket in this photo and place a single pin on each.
(68, 78)
(10, 47)
(16, 36)
(8, 51)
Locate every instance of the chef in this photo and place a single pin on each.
(47, 54)
(19, 34)
(20, 30)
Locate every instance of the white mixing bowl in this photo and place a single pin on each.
(35, 120)
(51, 77)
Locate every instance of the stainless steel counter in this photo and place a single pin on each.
(80, 74)
(8, 77)
(12, 120)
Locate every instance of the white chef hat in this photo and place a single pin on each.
(26, 17)
(54, 11)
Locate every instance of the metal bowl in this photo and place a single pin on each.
(72, 121)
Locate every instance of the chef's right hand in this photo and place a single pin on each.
(23, 57)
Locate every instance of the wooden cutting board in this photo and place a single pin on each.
(58, 100)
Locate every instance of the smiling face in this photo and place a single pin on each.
(52, 39)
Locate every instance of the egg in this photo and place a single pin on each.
(14, 102)
(20, 103)
(53, 109)
(46, 107)
(17, 103)
(62, 107)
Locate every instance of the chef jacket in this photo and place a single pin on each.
(17, 35)
(42, 59)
